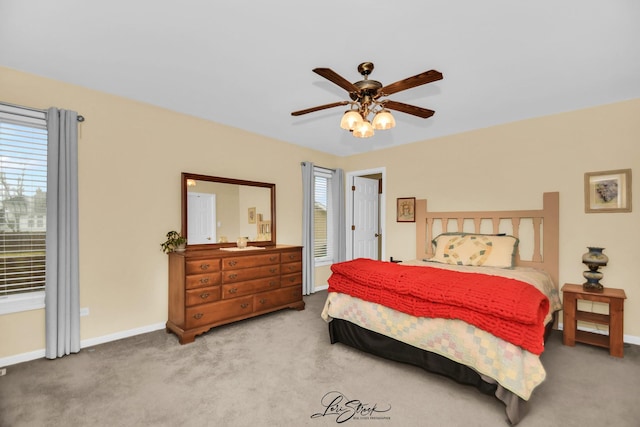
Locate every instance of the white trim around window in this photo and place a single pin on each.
(22, 302)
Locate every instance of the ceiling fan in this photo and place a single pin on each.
(365, 100)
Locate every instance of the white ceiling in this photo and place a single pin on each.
(247, 64)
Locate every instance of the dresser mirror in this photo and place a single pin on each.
(224, 212)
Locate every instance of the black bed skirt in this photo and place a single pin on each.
(389, 348)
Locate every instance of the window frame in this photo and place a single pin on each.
(329, 257)
(25, 301)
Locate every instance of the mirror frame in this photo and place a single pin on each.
(272, 187)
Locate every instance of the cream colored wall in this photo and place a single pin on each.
(510, 166)
(130, 159)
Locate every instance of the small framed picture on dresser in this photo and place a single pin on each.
(607, 191)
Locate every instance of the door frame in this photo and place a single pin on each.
(349, 209)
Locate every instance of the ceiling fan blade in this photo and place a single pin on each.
(409, 82)
(409, 109)
(336, 78)
(319, 107)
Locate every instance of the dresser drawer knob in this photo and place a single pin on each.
(273, 283)
(233, 276)
(204, 295)
(244, 305)
(204, 266)
(233, 290)
(233, 263)
(273, 270)
(292, 279)
(204, 280)
(273, 258)
(292, 256)
(263, 300)
(198, 316)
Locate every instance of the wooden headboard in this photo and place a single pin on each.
(544, 231)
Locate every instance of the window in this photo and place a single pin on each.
(323, 217)
(23, 208)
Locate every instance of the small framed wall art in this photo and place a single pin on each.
(607, 191)
(406, 209)
(252, 216)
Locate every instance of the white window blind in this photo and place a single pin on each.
(23, 204)
(323, 217)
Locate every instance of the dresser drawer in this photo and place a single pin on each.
(277, 298)
(291, 267)
(250, 261)
(199, 266)
(218, 311)
(233, 276)
(291, 256)
(202, 280)
(202, 295)
(249, 287)
(291, 279)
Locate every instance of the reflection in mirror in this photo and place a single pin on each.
(220, 211)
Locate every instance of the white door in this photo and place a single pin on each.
(365, 229)
(201, 214)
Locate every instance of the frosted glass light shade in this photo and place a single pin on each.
(363, 130)
(350, 120)
(383, 120)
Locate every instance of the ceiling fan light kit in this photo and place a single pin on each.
(363, 130)
(365, 100)
(384, 120)
(350, 120)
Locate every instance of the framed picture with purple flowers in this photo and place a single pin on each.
(607, 191)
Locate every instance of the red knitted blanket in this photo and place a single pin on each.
(507, 308)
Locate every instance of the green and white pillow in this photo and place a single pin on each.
(488, 250)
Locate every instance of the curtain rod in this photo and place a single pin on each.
(38, 110)
(320, 167)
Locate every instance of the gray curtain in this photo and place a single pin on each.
(308, 191)
(339, 213)
(62, 290)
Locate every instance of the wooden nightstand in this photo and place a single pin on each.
(614, 320)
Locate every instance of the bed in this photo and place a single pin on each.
(478, 319)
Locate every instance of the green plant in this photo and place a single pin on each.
(174, 240)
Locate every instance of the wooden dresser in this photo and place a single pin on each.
(208, 288)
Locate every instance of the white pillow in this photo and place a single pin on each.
(475, 249)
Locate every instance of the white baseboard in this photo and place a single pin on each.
(38, 354)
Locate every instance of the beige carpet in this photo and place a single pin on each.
(274, 371)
